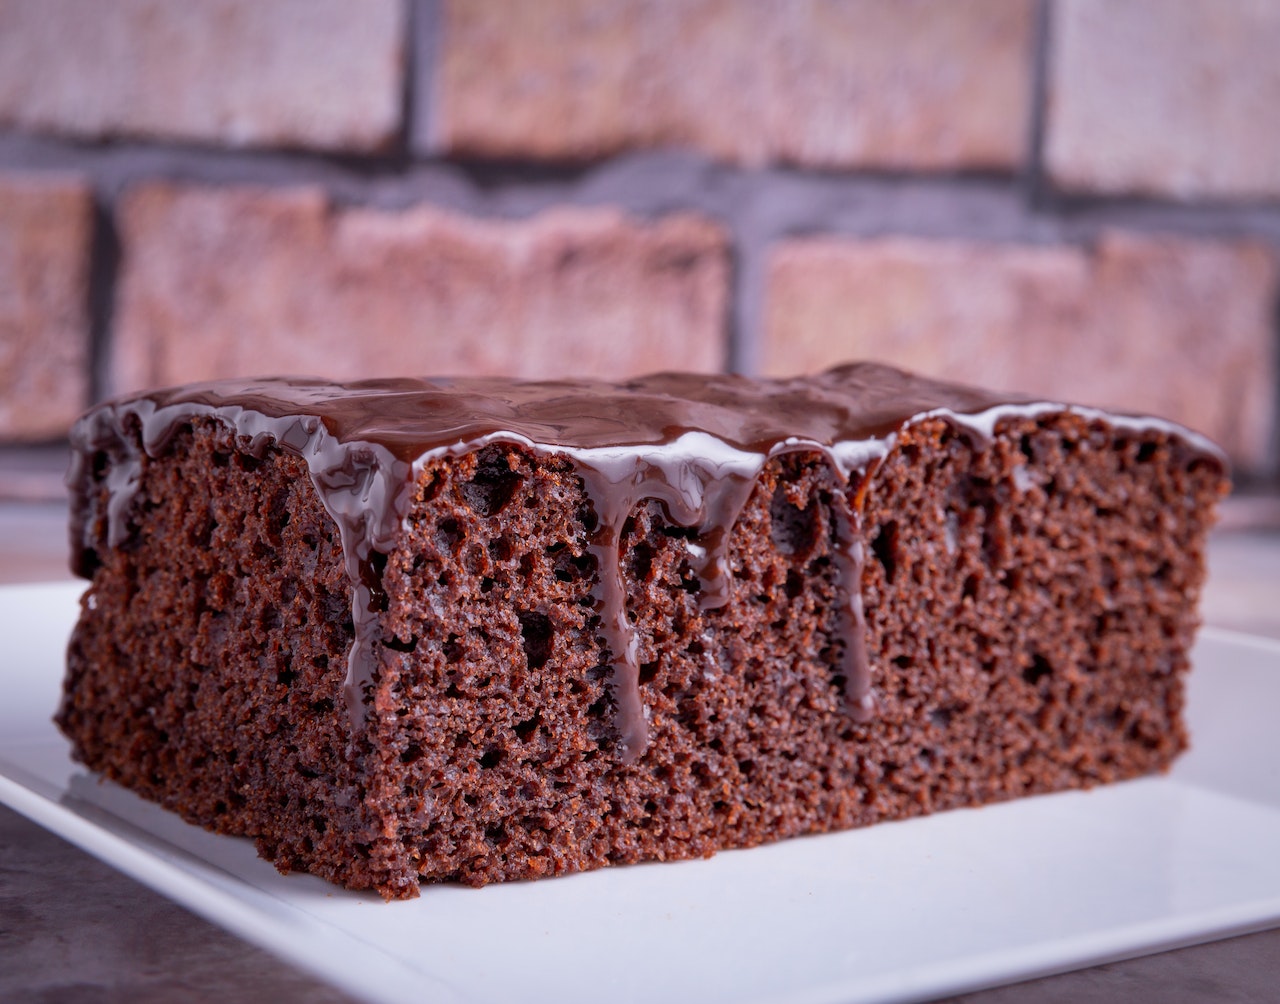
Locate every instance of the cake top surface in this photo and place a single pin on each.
(413, 416)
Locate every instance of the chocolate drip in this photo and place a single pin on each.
(853, 665)
(701, 484)
(363, 486)
(694, 443)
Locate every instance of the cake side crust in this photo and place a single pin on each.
(207, 669)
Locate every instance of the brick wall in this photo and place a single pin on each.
(1080, 198)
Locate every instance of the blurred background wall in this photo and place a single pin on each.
(1080, 198)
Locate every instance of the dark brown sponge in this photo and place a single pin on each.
(1029, 601)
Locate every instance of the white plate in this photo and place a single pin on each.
(901, 911)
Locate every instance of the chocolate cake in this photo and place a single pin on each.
(479, 630)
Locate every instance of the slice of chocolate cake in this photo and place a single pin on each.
(484, 630)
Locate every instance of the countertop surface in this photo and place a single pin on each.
(72, 929)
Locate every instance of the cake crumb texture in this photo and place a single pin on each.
(1029, 601)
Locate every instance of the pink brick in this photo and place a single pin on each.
(831, 83)
(1165, 97)
(1179, 328)
(308, 73)
(45, 236)
(223, 282)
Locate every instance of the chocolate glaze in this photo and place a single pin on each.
(694, 443)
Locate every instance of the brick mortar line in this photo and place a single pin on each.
(104, 268)
(512, 189)
(1271, 468)
(407, 96)
(749, 302)
(426, 44)
(1035, 180)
